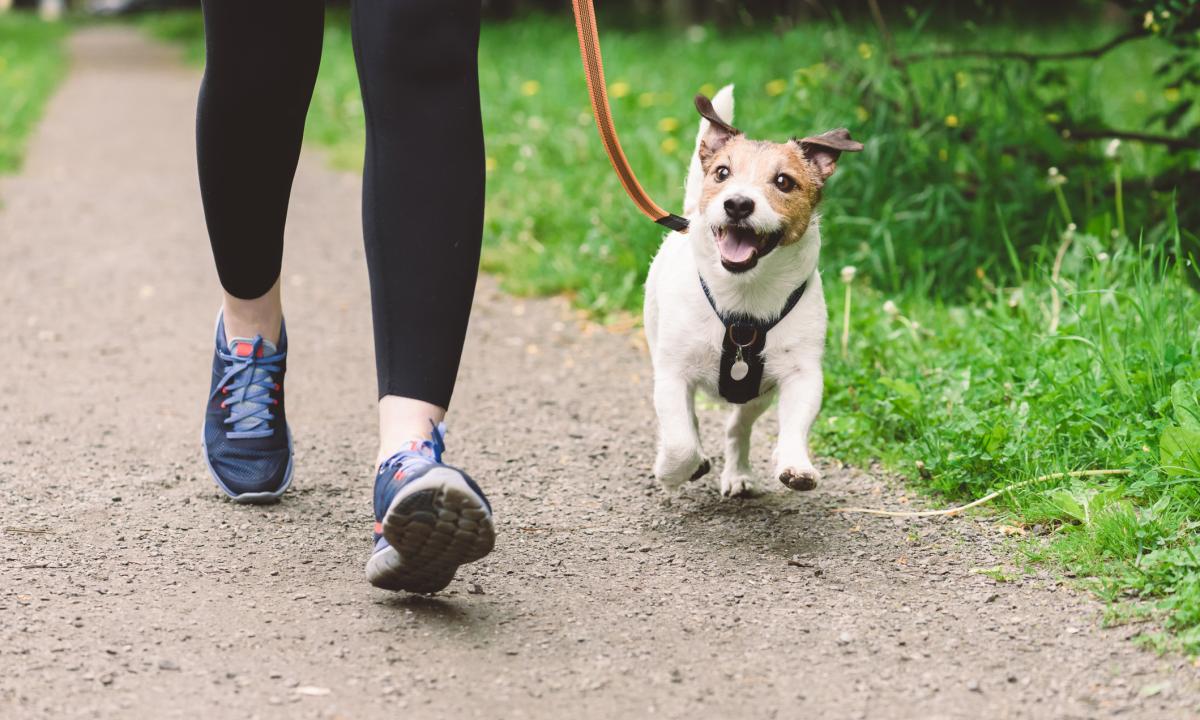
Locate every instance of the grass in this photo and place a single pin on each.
(965, 245)
(32, 61)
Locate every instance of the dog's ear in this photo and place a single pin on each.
(719, 132)
(824, 150)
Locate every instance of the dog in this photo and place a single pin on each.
(734, 306)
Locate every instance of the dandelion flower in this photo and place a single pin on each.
(865, 51)
(889, 308)
(951, 121)
(1148, 20)
(490, 163)
(776, 87)
(861, 113)
(1171, 94)
(619, 89)
(669, 145)
(708, 89)
(668, 124)
(1110, 150)
(848, 273)
(529, 88)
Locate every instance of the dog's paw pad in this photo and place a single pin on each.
(735, 487)
(701, 471)
(800, 479)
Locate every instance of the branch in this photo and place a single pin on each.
(1173, 143)
(895, 60)
(1027, 57)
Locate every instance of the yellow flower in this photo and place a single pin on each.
(490, 163)
(669, 145)
(708, 89)
(1171, 94)
(865, 51)
(951, 121)
(668, 124)
(646, 99)
(1053, 117)
(943, 155)
(530, 88)
(861, 113)
(776, 87)
(619, 89)
(1148, 20)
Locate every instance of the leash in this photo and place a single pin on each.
(740, 377)
(593, 69)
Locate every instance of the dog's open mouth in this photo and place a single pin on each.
(741, 247)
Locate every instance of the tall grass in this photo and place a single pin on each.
(32, 61)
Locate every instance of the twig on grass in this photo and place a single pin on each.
(986, 498)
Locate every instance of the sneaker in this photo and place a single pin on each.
(247, 444)
(429, 519)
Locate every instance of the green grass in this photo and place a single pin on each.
(32, 61)
(954, 225)
(985, 396)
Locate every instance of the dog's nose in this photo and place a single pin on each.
(739, 207)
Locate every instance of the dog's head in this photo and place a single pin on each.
(756, 195)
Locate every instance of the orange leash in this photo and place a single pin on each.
(593, 68)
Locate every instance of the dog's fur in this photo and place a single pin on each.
(751, 264)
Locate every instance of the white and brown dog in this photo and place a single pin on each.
(735, 306)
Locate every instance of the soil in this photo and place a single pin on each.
(132, 588)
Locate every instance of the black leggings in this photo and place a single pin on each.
(424, 171)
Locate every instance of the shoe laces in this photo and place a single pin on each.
(422, 451)
(249, 381)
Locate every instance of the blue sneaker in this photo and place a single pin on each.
(247, 444)
(429, 519)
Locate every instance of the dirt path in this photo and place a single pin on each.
(130, 588)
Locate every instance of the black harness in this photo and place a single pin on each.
(740, 377)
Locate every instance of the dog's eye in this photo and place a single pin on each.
(722, 173)
(784, 183)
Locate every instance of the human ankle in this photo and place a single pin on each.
(259, 316)
(403, 421)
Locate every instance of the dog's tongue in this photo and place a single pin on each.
(737, 245)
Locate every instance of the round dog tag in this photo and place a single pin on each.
(739, 370)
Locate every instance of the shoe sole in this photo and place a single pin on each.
(267, 497)
(435, 525)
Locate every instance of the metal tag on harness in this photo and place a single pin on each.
(741, 372)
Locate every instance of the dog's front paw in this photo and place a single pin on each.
(674, 468)
(735, 484)
(804, 478)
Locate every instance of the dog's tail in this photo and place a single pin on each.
(723, 104)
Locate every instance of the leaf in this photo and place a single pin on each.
(1179, 451)
(1185, 397)
(1067, 503)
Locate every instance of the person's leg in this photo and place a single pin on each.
(262, 58)
(423, 188)
(261, 63)
(423, 223)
